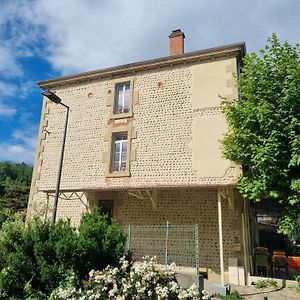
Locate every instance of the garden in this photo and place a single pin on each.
(41, 260)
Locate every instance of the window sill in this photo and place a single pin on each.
(118, 174)
(120, 116)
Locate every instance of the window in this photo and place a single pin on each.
(106, 207)
(122, 98)
(119, 154)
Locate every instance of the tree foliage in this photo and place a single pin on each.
(264, 128)
(15, 182)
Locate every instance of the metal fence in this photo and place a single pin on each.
(169, 243)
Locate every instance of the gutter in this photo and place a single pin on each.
(237, 50)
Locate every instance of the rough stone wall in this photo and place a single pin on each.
(163, 124)
(182, 207)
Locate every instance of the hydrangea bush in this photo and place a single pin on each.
(144, 280)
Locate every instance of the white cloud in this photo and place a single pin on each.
(16, 153)
(9, 66)
(86, 35)
(22, 148)
(6, 111)
(7, 89)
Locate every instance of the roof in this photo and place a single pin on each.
(238, 50)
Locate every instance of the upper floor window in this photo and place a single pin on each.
(122, 98)
(119, 155)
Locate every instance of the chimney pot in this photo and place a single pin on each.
(176, 42)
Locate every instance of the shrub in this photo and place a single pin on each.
(35, 258)
(297, 278)
(101, 242)
(235, 295)
(5, 215)
(264, 283)
(145, 280)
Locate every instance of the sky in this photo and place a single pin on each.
(42, 39)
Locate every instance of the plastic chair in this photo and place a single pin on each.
(262, 261)
(293, 263)
(280, 262)
(261, 250)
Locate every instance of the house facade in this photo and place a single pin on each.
(143, 141)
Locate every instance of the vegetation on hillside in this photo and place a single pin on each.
(15, 182)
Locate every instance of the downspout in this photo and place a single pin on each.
(221, 236)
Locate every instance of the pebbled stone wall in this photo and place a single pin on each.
(184, 207)
(165, 137)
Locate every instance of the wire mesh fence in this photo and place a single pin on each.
(169, 243)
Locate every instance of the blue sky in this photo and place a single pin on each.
(41, 39)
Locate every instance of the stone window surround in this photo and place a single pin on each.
(130, 156)
(111, 98)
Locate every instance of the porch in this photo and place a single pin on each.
(218, 213)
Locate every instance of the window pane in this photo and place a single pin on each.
(119, 152)
(122, 100)
(126, 98)
(116, 157)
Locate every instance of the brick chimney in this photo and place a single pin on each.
(176, 42)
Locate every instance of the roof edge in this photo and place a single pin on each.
(238, 49)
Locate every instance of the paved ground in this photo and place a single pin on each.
(283, 293)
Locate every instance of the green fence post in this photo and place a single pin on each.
(129, 239)
(197, 248)
(166, 253)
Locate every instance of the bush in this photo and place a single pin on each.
(264, 283)
(144, 280)
(235, 295)
(6, 214)
(297, 278)
(36, 258)
(101, 241)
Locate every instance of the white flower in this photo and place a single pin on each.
(115, 271)
(91, 273)
(112, 292)
(173, 286)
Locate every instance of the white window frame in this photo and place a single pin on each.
(121, 109)
(113, 98)
(121, 142)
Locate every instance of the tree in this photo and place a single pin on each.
(14, 185)
(264, 128)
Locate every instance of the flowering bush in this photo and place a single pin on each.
(145, 280)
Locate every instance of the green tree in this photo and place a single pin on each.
(15, 182)
(264, 128)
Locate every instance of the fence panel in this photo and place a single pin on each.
(169, 243)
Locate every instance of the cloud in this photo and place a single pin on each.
(6, 111)
(76, 36)
(9, 67)
(86, 35)
(7, 89)
(21, 148)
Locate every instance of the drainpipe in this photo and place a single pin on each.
(221, 236)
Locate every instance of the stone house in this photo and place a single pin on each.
(143, 142)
